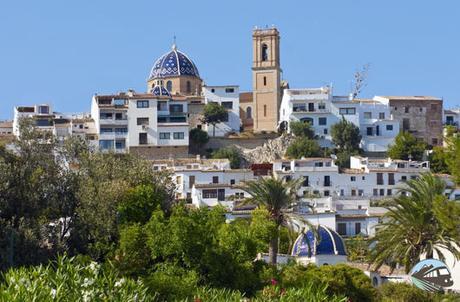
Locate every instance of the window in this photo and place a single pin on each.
(369, 131)
(106, 130)
(232, 181)
(347, 111)
(307, 120)
(209, 193)
(189, 87)
(105, 144)
(227, 105)
(380, 178)
(178, 135)
(265, 110)
(43, 109)
(119, 116)
(389, 192)
(311, 107)
(434, 141)
(176, 108)
(165, 135)
(322, 121)
(143, 104)
(353, 178)
(382, 192)
(406, 109)
(382, 115)
(249, 113)
(162, 106)
(119, 102)
(142, 138)
(376, 192)
(215, 179)
(325, 130)
(229, 90)
(342, 228)
(120, 145)
(357, 228)
(361, 192)
(191, 181)
(305, 181)
(169, 86)
(326, 193)
(264, 52)
(105, 116)
(321, 106)
(327, 181)
(367, 115)
(353, 192)
(391, 178)
(363, 178)
(123, 130)
(403, 178)
(389, 127)
(265, 81)
(142, 121)
(213, 90)
(406, 124)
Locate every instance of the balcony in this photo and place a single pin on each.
(304, 109)
(173, 118)
(112, 121)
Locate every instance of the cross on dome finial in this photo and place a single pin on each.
(174, 46)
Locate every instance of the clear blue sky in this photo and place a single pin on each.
(62, 52)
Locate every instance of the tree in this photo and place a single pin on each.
(230, 153)
(346, 136)
(453, 158)
(438, 160)
(360, 78)
(407, 146)
(303, 147)
(417, 224)
(198, 139)
(214, 113)
(302, 129)
(276, 195)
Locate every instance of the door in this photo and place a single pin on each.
(221, 195)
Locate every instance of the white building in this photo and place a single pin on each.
(138, 122)
(321, 109)
(206, 182)
(229, 98)
(451, 117)
(61, 125)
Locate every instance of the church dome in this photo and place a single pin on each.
(329, 243)
(173, 64)
(160, 91)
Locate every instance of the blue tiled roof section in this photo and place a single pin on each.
(160, 91)
(172, 64)
(329, 243)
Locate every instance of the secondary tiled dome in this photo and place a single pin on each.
(329, 243)
(173, 64)
(160, 91)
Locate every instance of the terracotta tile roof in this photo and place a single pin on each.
(412, 98)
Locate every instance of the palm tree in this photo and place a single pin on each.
(277, 196)
(418, 223)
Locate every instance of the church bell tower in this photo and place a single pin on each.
(266, 78)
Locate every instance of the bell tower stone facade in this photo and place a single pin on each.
(266, 79)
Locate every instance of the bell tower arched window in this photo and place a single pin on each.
(189, 87)
(264, 52)
(249, 113)
(169, 85)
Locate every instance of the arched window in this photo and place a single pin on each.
(189, 87)
(169, 85)
(307, 120)
(249, 113)
(264, 52)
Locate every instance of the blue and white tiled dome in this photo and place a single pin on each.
(329, 243)
(160, 91)
(173, 64)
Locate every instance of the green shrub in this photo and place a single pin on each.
(304, 147)
(231, 153)
(302, 129)
(402, 292)
(71, 279)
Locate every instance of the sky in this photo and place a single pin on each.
(63, 52)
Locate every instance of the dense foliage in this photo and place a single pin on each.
(407, 146)
(304, 147)
(302, 129)
(346, 138)
(232, 154)
(422, 221)
(198, 138)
